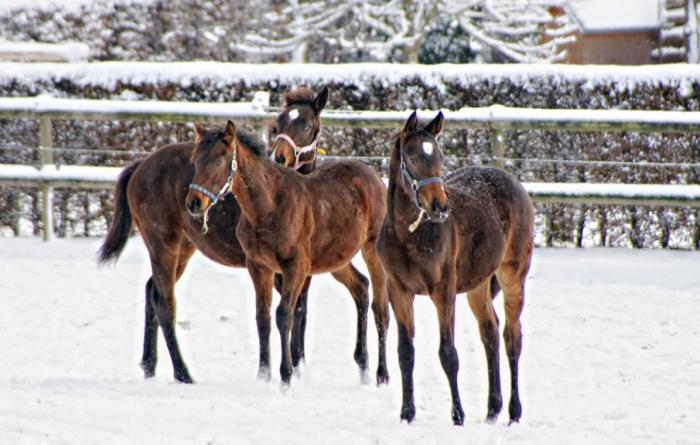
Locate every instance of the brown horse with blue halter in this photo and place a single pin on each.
(470, 232)
(301, 225)
(150, 194)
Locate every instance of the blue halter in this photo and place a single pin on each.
(225, 190)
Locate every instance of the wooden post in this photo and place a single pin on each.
(46, 154)
(498, 148)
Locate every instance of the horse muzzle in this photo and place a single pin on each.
(438, 212)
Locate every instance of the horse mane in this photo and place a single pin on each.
(299, 95)
(251, 142)
(215, 134)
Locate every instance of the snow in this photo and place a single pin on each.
(25, 174)
(650, 191)
(618, 15)
(110, 74)
(65, 5)
(124, 109)
(45, 52)
(609, 341)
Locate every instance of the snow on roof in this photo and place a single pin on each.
(596, 16)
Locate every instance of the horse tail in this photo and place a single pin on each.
(120, 229)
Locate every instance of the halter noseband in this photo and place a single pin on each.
(298, 151)
(416, 184)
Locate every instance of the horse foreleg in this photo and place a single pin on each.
(402, 304)
(299, 325)
(358, 285)
(449, 359)
(262, 280)
(480, 302)
(380, 305)
(294, 277)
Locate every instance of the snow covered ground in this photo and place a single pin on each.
(610, 356)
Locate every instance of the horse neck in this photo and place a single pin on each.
(254, 185)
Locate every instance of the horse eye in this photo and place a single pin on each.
(220, 162)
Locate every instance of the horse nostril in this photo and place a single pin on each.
(280, 159)
(437, 208)
(194, 206)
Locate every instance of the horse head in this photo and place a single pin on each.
(214, 167)
(297, 130)
(420, 163)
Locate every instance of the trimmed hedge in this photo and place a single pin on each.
(389, 87)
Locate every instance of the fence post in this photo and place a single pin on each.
(498, 148)
(46, 158)
(261, 100)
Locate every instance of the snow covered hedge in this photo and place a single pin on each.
(399, 87)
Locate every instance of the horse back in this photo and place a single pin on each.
(498, 191)
(349, 205)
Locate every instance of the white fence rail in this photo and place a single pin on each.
(496, 118)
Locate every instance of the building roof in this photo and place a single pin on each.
(597, 16)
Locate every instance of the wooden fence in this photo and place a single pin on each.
(496, 118)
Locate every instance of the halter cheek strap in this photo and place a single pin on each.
(298, 151)
(416, 185)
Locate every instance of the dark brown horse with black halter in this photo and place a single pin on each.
(472, 232)
(298, 226)
(151, 195)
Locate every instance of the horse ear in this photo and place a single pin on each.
(321, 100)
(411, 124)
(229, 133)
(435, 126)
(198, 131)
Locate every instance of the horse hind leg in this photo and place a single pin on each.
(512, 276)
(480, 302)
(299, 325)
(149, 359)
(358, 285)
(167, 268)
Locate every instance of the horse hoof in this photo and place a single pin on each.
(382, 377)
(285, 387)
(365, 379)
(184, 379)
(264, 374)
(515, 410)
(491, 418)
(149, 369)
(457, 416)
(408, 413)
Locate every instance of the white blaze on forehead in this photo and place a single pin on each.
(293, 114)
(428, 148)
